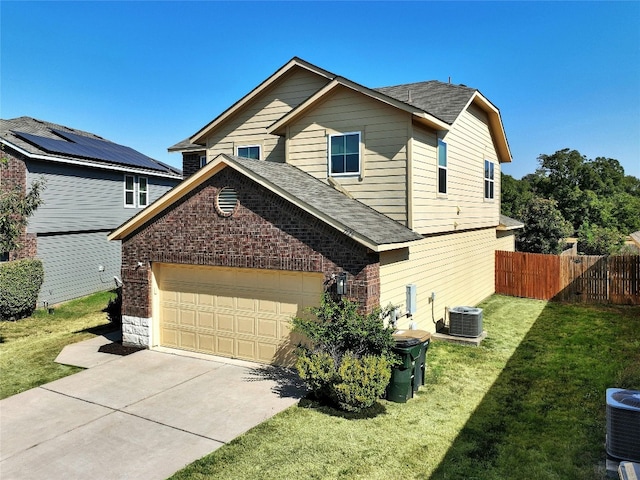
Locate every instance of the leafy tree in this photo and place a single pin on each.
(515, 195)
(544, 228)
(596, 240)
(15, 210)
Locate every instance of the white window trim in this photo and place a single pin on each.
(492, 181)
(203, 160)
(133, 191)
(146, 179)
(136, 192)
(259, 147)
(445, 168)
(345, 174)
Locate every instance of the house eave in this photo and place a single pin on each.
(200, 136)
(495, 124)
(223, 161)
(279, 127)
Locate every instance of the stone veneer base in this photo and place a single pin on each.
(135, 331)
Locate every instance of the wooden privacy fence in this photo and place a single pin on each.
(576, 279)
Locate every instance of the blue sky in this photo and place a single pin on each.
(149, 74)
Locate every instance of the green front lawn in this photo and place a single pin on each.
(28, 347)
(528, 403)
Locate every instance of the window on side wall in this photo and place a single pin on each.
(203, 160)
(442, 167)
(136, 191)
(129, 191)
(249, 151)
(143, 192)
(344, 154)
(488, 180)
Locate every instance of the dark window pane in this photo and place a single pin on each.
(486, 189)
(337, 163)
(442, 180)
(129, 198)
(143, 199)
(337, 145)
(129, 183)
(254, 152)
(491, 190)
(352, 144)
(353, 163)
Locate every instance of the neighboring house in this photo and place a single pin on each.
(635, 238)
(92, 186)
(307, 177)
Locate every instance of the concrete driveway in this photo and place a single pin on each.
(142, 416)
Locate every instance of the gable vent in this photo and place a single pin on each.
(226, 201)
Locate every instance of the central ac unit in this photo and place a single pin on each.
(623, 424)
(465, 321)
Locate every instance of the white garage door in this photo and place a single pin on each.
(233, 312)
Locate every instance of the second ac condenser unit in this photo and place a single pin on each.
(465, 321)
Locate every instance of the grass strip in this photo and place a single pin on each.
(28, 347)
(528, 403)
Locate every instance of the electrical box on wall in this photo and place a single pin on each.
(411, 299)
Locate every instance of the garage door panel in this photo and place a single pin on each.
(188, 298)
(187, 318)
(169, 337)
(225, 322)
(268, 327)
(206, 343)
(267, 306)
(246, 349)
(206, 300)
(245, 325)
(247, 304)
(187, 339)
(224, 346)
(234, 312)
(206, 320)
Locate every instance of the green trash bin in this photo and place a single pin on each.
(409, 349)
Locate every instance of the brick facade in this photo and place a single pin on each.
(191, 163)
(13, 175)
(265, 231)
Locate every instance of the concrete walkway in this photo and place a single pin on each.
(142, 416)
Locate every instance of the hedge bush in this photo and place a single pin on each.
(347, 359)
(20, 283)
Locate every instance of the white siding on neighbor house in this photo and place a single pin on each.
(458, 267)
(469, 144)
(506, 240)
(384, 135)
(71, 264)
(79, 198)
(248, 126)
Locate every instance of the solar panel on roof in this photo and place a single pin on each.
(93, 148)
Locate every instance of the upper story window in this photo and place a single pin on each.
(203, 160)
(488, 179)
(249, 151)
(143, 190)
(442, 167)
(136, 191)
(344, 154)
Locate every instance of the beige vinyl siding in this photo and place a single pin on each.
(506, 240)
(469, 143)
(458, 267)
(248, 127)
(384, 132)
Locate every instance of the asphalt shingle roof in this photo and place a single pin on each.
(32, 129)
(510, 222)
(354, 215)
(442, 100)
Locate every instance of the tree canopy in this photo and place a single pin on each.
(600, 202)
